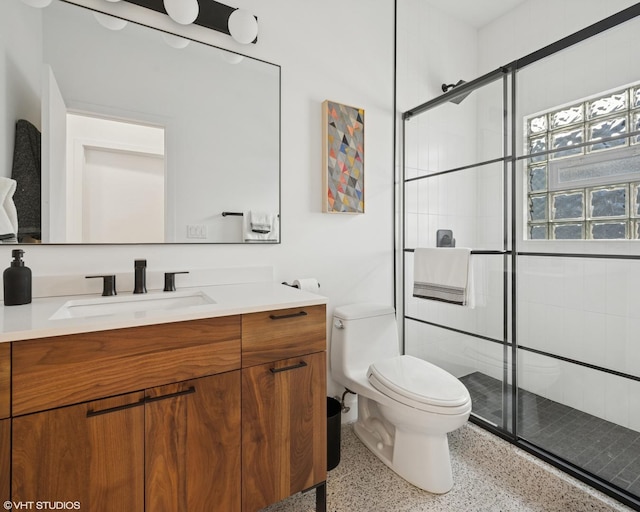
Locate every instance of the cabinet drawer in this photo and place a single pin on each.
(273, 335)
(63, 370)
(5, 377)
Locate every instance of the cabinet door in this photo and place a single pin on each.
(283, 429)
(193, 445)
(5, 379)
(5, 459)
(91, 453)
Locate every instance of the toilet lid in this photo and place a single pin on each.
(408, 378)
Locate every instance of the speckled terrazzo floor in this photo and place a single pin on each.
(489, 475)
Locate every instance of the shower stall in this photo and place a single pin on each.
(536, 167)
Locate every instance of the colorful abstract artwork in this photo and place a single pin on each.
(343, 158)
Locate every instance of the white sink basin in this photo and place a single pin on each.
(117, 304)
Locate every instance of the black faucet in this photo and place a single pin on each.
(140, 285)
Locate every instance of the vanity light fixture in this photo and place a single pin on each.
(184, 12)
(37, 3)
(243, 26)
(240, 24)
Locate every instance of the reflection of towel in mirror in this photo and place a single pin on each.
(8, 213)
(26, 171)
(259, 227)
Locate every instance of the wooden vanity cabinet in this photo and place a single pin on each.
(161, 442)
(283, 405)
(170, 448)
(5, 422)
(223, 414)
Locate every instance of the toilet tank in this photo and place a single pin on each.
(361, 334)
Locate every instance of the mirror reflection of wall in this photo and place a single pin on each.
(220, 118)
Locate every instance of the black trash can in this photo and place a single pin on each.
(333, 433)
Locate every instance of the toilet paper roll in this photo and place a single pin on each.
(308, 284)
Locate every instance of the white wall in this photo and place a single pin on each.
(536, 23)
(335, 50)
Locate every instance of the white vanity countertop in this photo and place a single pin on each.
(34, 320)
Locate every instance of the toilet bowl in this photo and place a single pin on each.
(406, 406)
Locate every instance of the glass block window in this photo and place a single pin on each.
(538, 178)
(583, 169)
(567, 205)
(609, 202)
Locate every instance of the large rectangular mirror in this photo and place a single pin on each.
(142, 140)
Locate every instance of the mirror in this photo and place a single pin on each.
(143, 140)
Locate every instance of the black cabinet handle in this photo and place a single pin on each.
(292, 315)
(91, 413)
(301, 364)
(188, 391)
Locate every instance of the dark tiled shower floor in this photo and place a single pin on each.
(603, 448)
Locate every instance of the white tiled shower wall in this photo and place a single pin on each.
(582, 309)
(587, 310)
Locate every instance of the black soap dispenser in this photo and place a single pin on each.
(17, 281)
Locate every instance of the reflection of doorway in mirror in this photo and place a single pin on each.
(115, 181)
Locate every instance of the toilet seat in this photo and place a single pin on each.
(419, 384)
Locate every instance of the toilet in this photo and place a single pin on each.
(406, 406)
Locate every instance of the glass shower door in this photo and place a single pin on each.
(578, 356)
(457, 165)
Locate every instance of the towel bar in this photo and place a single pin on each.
(474, 252)
(236, 214)
(293, 285)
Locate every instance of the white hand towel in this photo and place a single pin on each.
(259, 227)
(260, 222)
(8, 213)
(442, 275)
